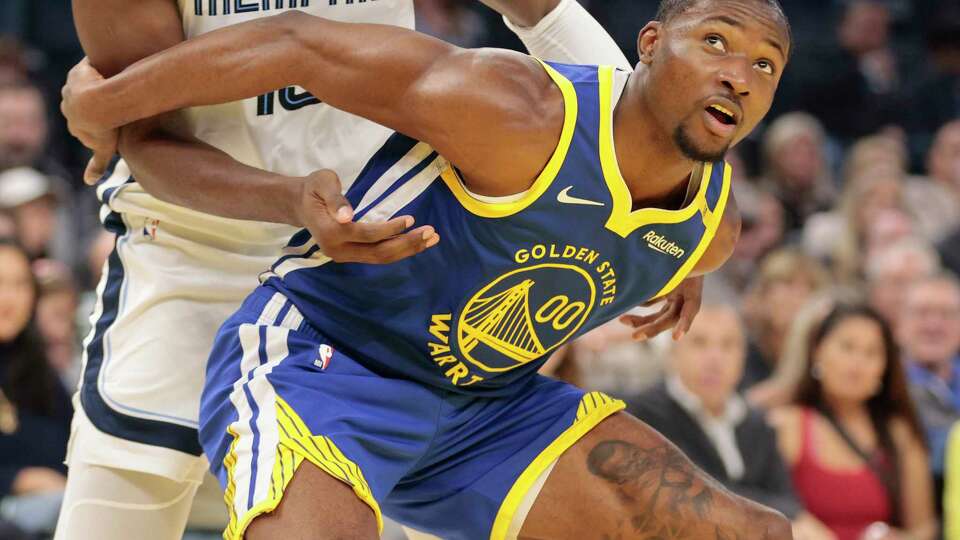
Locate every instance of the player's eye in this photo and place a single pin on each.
(765, 66)
(716, 42)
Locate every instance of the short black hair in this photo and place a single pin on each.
(669, 9)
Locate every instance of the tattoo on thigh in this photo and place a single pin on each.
(673, 499)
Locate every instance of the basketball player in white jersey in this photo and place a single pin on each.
(176, 274)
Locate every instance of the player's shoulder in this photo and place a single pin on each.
(518, 74)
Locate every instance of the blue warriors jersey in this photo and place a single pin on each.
(512, 278)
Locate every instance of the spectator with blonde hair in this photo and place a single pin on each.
(871, 214)
(935, 199)
(781, 387)
(796, 169)
(883, 152)
(787, 278)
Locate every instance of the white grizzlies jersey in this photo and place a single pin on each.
(177, 274)
(286, 131)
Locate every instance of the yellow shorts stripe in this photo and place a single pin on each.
(230, 462)
(593, 408)
(296, 444)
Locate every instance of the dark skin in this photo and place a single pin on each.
(636, 484)
(179, 168)
(493, 113)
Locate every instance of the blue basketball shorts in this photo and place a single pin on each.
(452, 465)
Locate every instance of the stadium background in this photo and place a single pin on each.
(850, 190)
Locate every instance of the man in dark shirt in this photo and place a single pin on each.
(698, 409)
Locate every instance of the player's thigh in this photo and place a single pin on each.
(624, 480)
(104, 503)
(316, 506)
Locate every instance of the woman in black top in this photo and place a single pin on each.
(35, 410)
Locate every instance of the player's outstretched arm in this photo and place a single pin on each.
(494, 113)
(560, 31)
(178, 168)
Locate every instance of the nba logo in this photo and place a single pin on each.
(326, 353)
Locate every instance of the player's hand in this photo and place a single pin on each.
(679, 309)
(102, 141)
(327, 214)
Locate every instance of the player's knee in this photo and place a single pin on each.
(775, 525)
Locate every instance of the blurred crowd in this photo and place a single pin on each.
(822, 376)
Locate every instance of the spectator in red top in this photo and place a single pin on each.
(852, 440)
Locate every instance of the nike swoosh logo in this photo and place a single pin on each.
(566, 198)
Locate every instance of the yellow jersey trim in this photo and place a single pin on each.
(594, 407)
(296, 445)
(622, 220)
(711, 221)
(489, 209)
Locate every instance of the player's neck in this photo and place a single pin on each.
(649, 160)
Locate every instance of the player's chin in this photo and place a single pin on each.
(700, 145)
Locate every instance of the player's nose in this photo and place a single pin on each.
(734, 76)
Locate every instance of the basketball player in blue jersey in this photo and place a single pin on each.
(563, 195)
(176, 274)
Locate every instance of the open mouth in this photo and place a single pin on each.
(722, 114)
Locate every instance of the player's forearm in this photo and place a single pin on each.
(565, 32)
(226, 65)
(190, 173)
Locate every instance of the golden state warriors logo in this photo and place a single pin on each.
(521, 316)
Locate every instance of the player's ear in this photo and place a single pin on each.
(648, 40)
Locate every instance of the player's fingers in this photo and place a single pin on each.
(639, 320)
(397, 248)
(95, 168)
(652, 302)
(665, 320)
(689, 310)
(325, 185)
(371, 233)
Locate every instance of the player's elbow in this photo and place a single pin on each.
(777, 526)
(293, 32)
(284, 38)
(288, 24)
(139, 138)
(132, 138)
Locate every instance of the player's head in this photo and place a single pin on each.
(712, 69)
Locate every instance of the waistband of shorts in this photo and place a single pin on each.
(269, 307)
